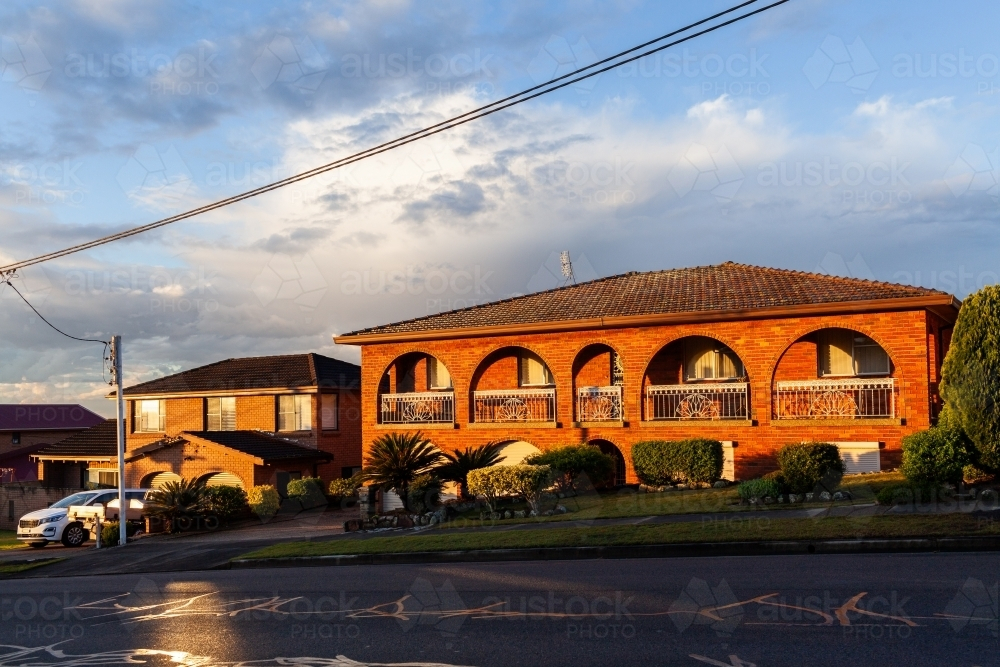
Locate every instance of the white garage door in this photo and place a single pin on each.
(860, 456)
(159, 479)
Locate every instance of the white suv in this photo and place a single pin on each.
(52, 524)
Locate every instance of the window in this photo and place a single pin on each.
(438, 376)
(295, 412)
(15, 438)
(533, 371)
(220, 413)
(707, 359)
(843, 353)
(328, 411)
(149, 417)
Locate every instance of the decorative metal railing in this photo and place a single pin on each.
(427, 407)
(599, 404)
(515, 405)
(728, 400)
(849, 398)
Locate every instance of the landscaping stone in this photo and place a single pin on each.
(781, 500)
(809, 497)
(548, 513)
(721, 484)
(560, 509)
(682, 487)
(519, 514)
(768, 500)
(794, 498)
(841, 495)
(507, 514)
(825, 495)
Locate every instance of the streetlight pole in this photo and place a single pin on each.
(116, 359)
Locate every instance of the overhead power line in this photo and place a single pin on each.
(568, 79)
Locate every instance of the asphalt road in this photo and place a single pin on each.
(800, 611)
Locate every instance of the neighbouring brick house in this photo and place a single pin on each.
(248, 421)
(27, 428)
(754, 357)
(86, 459)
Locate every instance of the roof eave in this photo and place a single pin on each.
(945, 305)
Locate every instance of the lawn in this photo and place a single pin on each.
(736, 529)
(8, 540)
(15, 568)
(629, 503)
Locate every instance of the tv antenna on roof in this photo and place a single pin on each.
(567, 267)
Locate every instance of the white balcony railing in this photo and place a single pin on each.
(599, 404)
(515, 405)
(429, 407)
(848, 398)
(728, 400)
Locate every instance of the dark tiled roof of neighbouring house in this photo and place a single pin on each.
(722, 287)
(248, 373)
(260, 444)
(96, 442)
(45, 416)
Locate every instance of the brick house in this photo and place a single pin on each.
(247, 421)
(86, 459)
(754, 357)
(26, 428)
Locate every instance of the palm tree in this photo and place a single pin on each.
(175, 500)
(396, 459)
(457, 466)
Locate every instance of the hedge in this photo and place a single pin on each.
(808, 465)
(759, 488)
(936, 455)
(495, 482)
(660, 462)
(264, 500)
(570, 462)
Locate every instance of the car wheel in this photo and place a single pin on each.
(74, 535)
(37, 545)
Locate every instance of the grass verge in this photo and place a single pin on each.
(737, 529)
(15, 568)
(8, 540)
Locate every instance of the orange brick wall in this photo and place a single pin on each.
(761, 344)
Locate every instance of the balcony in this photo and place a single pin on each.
(599, 404)
(431, 407)
(698, 401)
(848, 398)
(502, 406)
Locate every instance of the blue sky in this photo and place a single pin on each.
(851, 138)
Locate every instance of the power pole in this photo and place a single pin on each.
(116, 360)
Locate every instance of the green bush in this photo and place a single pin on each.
(456, 465)
(661, 462)
(344, 487)
(307, 490)
(808, 465)
(571, 462)
(396, 459)
(778, 478)
(185, 498)
(424, 492)
(758, 488)
(970, 371)
(264, 500)
(526, 481)
(972, 474)
(110, 536)
(225, 502)
(906, 494)
(936, 455)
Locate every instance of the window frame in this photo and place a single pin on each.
(718, 351)
(824, 341)
(434, 368)
(523, 359)
(222, 402)
(336, 412)
(139, 422)
(297, 412)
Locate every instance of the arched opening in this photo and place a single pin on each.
(515, 452)
(598, 379)
(416, 389)
(609, 448)
(834, 373)
(222, 479)
(156, 480)
(513, 384)
(696, 378)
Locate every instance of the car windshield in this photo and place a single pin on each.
(75, 499)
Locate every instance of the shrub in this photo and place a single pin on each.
(778, 478)
(307, 490)
(906, 494)
(173, 500)
(969, 373)
(806, 465)
(111, 537)
(344, 487)
(457, 465)
(264, 500)
(571, 462)
(424, 492)
(974, 475)
(936, 455)
(660, 462)
(396, 459)
(225, 502)
(758, 488)
(525, 481)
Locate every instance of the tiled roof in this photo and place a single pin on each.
(260, 444)
(247, 373)
(45, 416)
(700, 289)
(96, 442)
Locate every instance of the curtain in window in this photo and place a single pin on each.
(869, 357)
(438, 376)
(707, 359)
(221, 414)
(836, 352)
(328, 411)
(294, 412)
(533, 371)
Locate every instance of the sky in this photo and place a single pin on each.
(850, 138)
